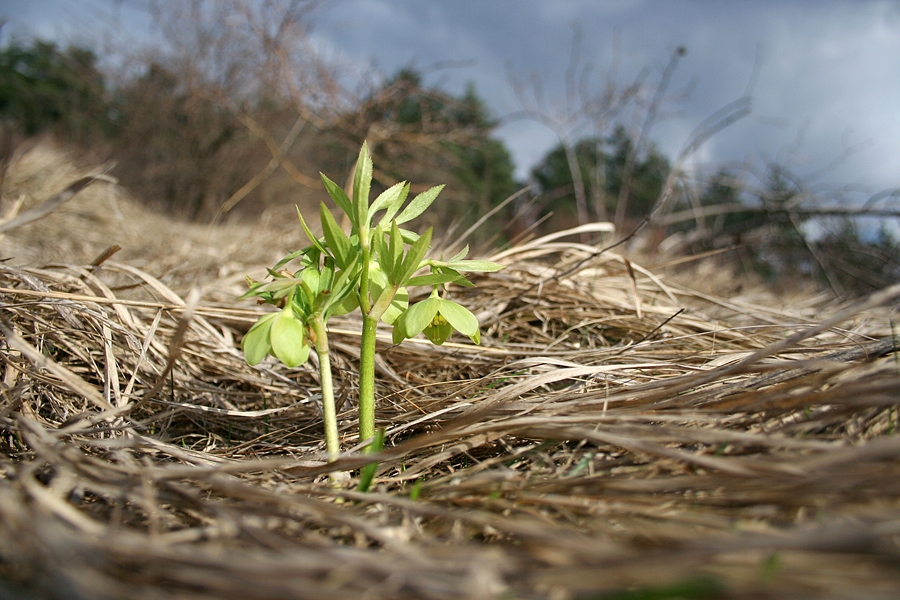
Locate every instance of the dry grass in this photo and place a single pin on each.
(613, 437)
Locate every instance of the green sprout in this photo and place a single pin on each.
(369, 269)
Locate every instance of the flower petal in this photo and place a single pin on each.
(288, 343)
(418, 316)
(257, 343)
(460, 317)
(438, 331)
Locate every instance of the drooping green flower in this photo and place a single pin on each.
(436, 317)
(281, 334)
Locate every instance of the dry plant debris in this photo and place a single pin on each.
(615, 436)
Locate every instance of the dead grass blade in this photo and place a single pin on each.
(741, 447)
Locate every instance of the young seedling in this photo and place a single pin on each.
(371, 270)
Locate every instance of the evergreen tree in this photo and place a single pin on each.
(427, 134)
(45, 89)
(602, 166)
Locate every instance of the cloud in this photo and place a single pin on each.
(827, 74)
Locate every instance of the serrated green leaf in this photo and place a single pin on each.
(362, 183)
(307, 297)
(382, 250)
(461, 255)
(279, 287)
(413, 258)
(287, 259)
(341, 301)
(474, 266)
(389, 197)
(409, 237)
(347, 304)
(253, 291)
(326, 276)
(396, 245)
(434, 279)
(310, 277)
(288, 340)
(392, 209)
(335, 237)
(376, 275)
(419, 204)
(309, 233)
(256, 343)
(339, 196)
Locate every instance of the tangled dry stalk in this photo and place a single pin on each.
(616, 436)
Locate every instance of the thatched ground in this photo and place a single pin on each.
(615, 436)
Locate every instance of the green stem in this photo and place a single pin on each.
(364, 303)
(332, 442)
(367, 379)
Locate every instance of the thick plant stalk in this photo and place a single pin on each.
(332, 443)
(367, 379)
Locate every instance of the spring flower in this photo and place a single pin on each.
(436, 317)
(281, 334)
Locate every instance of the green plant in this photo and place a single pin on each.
(369, 269)
(367, 473)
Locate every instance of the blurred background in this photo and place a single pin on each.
(764, 137)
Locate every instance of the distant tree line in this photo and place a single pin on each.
(239, 120)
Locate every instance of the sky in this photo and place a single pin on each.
(824, 76)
